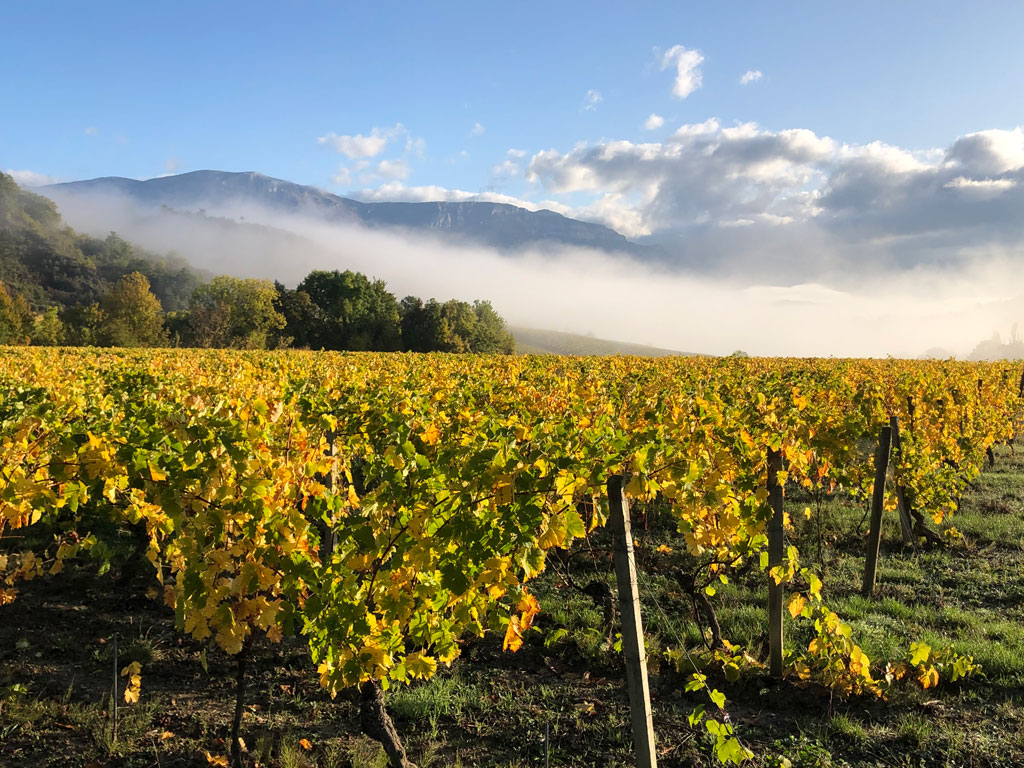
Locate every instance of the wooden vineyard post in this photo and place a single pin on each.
(877, 502)
(632, 627)
(906, 526)
(989, 453)
(775, 549)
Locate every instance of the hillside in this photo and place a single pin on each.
(50, 264)
(532, 341)
(499, 225)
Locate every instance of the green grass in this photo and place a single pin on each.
(534, 341)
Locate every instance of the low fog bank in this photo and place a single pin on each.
(813, 304)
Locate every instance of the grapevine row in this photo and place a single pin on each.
(387, 506)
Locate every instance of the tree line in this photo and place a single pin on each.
(328, 310)
(58, 287)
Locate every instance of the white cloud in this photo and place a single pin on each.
(510, 166)
(750, 76)
(687, 63)
(702, 173)
(981, 187)
(591, 100)
(395, 191)
(31, 178)
(763, 200)
(172, 165)
(989, 152)
(505, 169)
(654, 122)
(477, 129)
(343, 177)
(882, 155)
(801, 197)
(360, 145)
(91, 130)
(415, 146)
(393, 169)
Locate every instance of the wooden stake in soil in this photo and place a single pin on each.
(114, 697)
(877, 501)
(906, 525)
(775, 548)
(632, 627)
(236, 722)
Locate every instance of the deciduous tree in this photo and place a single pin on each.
(132, 315)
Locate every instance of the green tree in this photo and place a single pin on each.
(491, 335)
(50, 264)
(352, 312)
(300, 316)
(132, 315)
(48, 330)
(82, 325)
(234, 312)
(421, 325)
(454, 326)
(16, 318)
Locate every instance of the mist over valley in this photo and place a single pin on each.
(546, 271)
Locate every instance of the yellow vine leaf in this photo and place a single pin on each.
(431, 434)
(929, 678)
(919, 653)
(133, 673)
(795, 604)
(420, 665)
(513, 636)
(530, 607)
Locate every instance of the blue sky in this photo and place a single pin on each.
(871, 143)
(139, 89)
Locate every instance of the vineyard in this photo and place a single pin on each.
(385, 559)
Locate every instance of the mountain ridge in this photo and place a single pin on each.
(501, 225)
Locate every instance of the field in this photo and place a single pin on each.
(532, 341)
(561, 697)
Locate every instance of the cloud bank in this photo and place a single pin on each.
(725, 197)
(586, 291)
